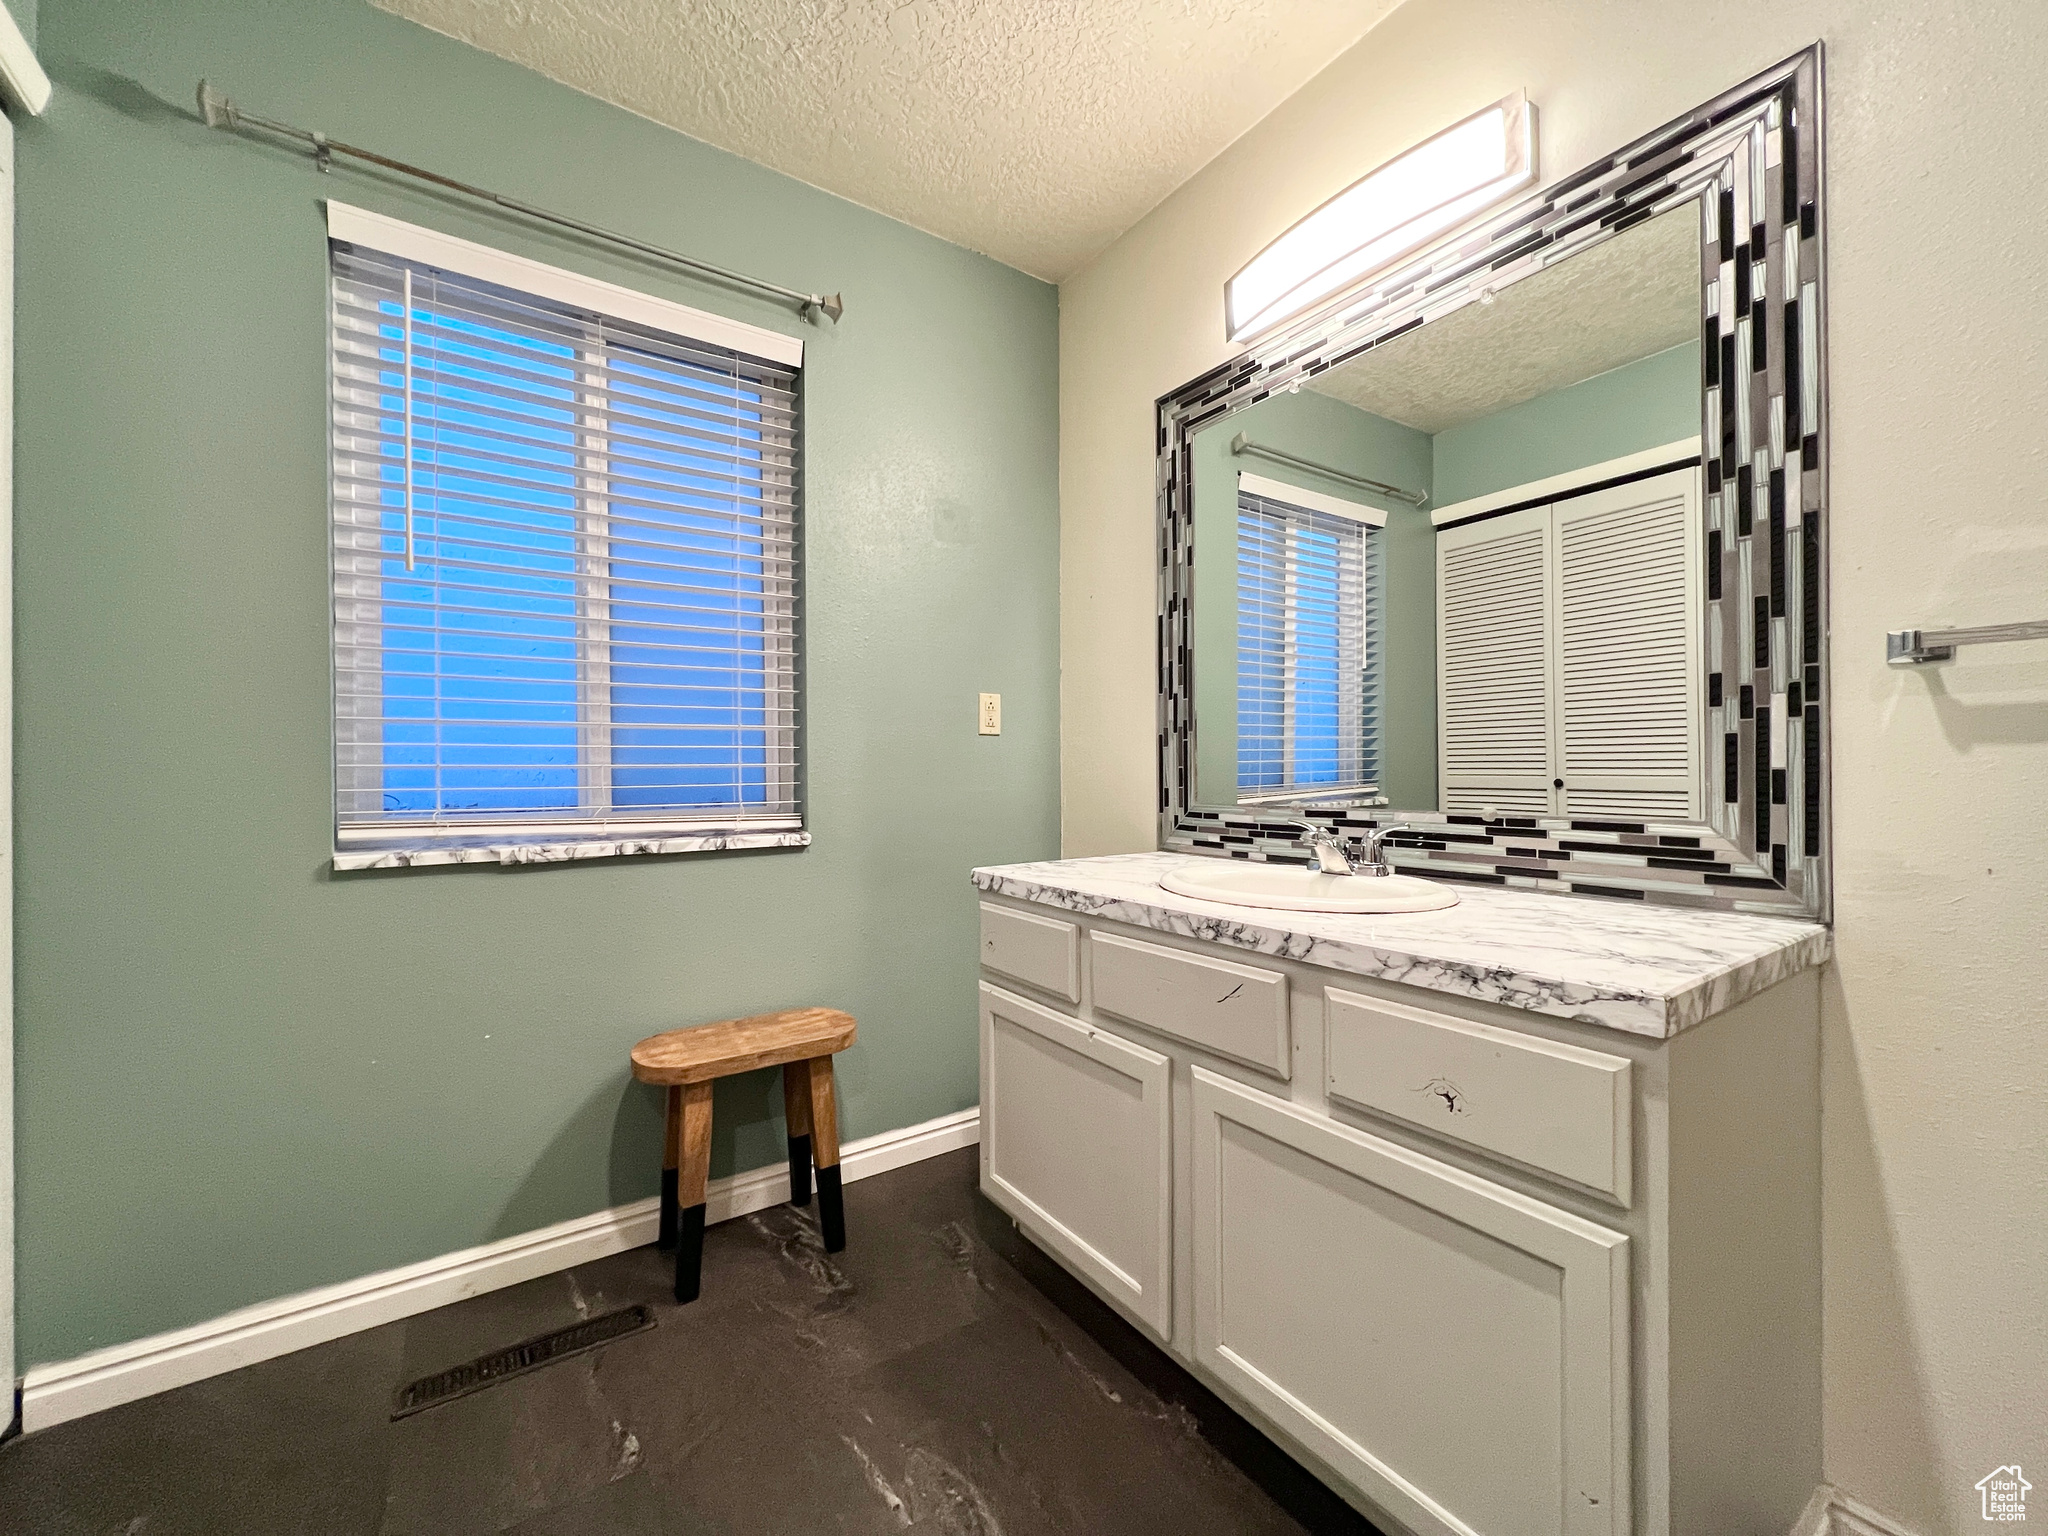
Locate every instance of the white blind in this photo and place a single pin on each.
(1308, 671)
(565, 567)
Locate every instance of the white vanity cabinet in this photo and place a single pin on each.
(1487, 1272)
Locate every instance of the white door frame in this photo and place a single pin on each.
(24, 89)
(1568, 483)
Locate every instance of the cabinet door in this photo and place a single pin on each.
(1494, 684)
(1628, 649)
(1076, 1145)
(1455, 1350)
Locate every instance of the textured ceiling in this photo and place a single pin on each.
(1036, 131)
(1634, 295)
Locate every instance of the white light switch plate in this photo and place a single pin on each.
(991, 714)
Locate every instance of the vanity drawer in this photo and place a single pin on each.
(1560, 1108)
(1042, 951)
(1239, 1011)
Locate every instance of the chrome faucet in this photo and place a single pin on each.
(1331, 858)
(1334, 857)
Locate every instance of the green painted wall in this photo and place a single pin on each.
(242, 1075)
(1627, 409)
(1328, 431)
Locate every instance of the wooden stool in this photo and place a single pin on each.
(801, 1041)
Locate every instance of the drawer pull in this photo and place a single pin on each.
(1452, 1095)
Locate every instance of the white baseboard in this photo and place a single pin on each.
(1832, 1512)
(50, 1394)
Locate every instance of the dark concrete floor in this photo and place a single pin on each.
(940, 1376)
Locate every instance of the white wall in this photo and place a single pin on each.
(1937, 1010)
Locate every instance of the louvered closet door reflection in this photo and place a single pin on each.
(1628, 649)
(1493, 664)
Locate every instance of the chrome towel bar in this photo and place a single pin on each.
(1911, 647)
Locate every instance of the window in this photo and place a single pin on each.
(565, 525)
(1310, 606)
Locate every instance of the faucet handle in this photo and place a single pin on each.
(1312, 831)
(1372, 842)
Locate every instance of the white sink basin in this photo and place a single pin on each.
(1288, 889)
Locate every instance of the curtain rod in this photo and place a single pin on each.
(220, 112)
(1241, 444)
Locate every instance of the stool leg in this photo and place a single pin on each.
(796, 1113)
(667, 1236)
(825, 1153)
(692, 1175)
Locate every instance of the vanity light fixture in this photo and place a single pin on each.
(1434, 187)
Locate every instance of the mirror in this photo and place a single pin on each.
(1523, 546)
(1459, 572)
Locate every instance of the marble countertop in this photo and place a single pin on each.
(1647, 970)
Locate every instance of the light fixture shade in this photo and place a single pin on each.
(1418, 195)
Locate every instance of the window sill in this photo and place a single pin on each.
(560, 851)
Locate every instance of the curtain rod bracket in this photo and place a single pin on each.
(220, 112)
(822, 304)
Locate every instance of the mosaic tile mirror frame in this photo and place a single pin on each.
(1751, 161)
